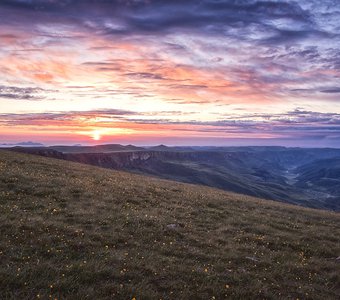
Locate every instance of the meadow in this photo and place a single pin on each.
(73, 231)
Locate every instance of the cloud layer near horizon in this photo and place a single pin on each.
(248, 69)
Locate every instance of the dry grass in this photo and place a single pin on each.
(71, 231)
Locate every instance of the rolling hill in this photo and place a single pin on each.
(74, 231)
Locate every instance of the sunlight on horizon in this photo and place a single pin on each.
(96, 135)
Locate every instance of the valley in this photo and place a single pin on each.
(306, 177)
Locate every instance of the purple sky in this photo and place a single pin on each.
(208, 72)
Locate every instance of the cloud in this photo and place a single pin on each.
(331, 91)
(291, 125)
(63, 119)
(122, 17)
(22, 93)
(270, 48)
(199, 56)
(297, 120)
(145, 75)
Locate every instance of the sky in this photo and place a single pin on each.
(147, 72)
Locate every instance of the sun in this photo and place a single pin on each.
(96, 135)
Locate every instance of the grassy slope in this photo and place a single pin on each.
(80, 232)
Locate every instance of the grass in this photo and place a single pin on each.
(72, 231)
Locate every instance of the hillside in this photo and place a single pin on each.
(74, 231)
(275, 173)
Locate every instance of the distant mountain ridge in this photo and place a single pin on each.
(291, 175)
(96, 149)
(23, 144)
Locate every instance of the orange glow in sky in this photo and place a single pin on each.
(131, 71)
